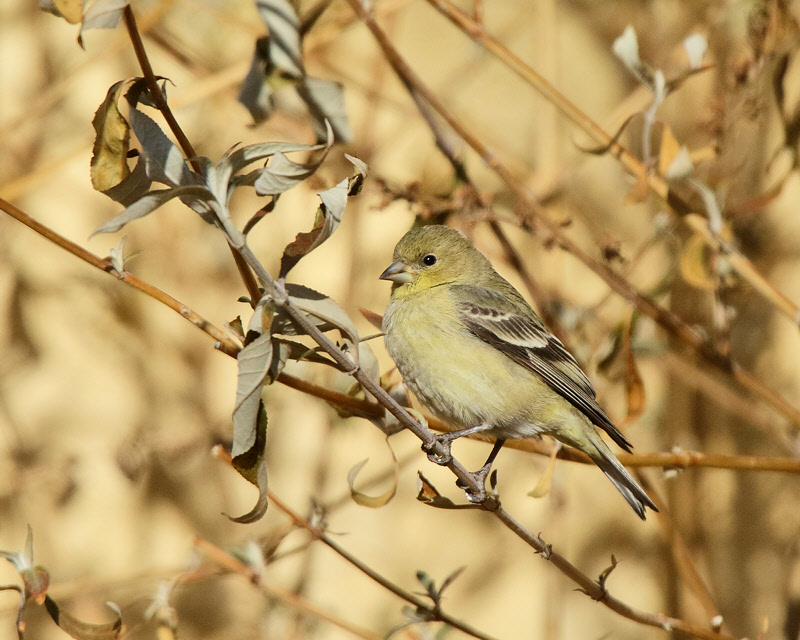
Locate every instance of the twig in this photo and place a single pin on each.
(225, 344)
(631, 163)
(598, 593)
(234, 565)
(368, 409)
(367, 570)
(665, 318)
(467, 481)
(681, 554)
(665, 460)
(160, 100)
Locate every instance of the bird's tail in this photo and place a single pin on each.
(602, 456)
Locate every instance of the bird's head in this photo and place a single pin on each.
(431, 256)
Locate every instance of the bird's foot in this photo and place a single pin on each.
(438, 450)
(478, 493)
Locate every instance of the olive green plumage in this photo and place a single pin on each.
(475, 353)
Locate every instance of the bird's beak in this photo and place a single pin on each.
(398, 272)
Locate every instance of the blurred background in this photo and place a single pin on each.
(110, 403)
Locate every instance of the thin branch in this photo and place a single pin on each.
(596, 592)
(680, 552)
(234, 565)
(368, 409)
(225, 344)
(158, 97)
(476, 31)
(665, 318)
(676, 459)
(160, 100)
(367, 570)
(491, 503)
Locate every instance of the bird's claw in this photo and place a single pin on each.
(441, 458)
(479, 494)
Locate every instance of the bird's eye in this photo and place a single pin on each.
(429, 260)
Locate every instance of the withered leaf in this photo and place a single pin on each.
(374, 502)
(84, 630)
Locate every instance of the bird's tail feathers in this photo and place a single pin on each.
(619, 476)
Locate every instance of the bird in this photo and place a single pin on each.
(478, 356)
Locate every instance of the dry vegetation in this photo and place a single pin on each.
(675, 286)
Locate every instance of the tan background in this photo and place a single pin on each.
(110, 403)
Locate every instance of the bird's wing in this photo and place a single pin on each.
(512, 327)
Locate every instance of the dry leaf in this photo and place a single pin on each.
(634, 387)
(669, 149)
(374, 502)
(542, 487)
(695, 266)
(640, 190)
(375, 319)
(109, 164)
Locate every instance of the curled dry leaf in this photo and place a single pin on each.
(669, 149)
(109, 169)
(327, 219)
(374, 502)
(252, 466)
(102, 14)
(375, 319)
(70, 10)
(81, 630)
(695, 264)
(634, 386)
(542, 487)
(428, 494)
(254, 361)
(109, 165)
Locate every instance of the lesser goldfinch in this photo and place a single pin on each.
(477, 355)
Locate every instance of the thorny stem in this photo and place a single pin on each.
(633, 165)
(437, 613)
(665, 318)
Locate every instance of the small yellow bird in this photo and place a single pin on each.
(477, 355)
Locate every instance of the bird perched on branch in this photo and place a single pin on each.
(477, 355)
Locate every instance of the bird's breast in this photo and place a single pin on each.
(457, 376)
